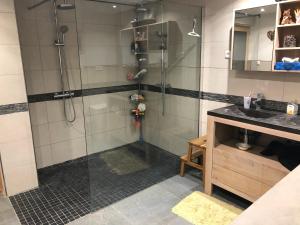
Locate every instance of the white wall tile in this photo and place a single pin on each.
(67, 150)
(14, 127)
(7, 6)
(19, 152)
(20, 178)
(63, 131)
(8, 29)
(55, 109)
(35, 83)
(12, 89)
(38, 113)
(215, 80)
(28, 32)
(43, 156)
(31, 57)
(10, 60)
(41, 135)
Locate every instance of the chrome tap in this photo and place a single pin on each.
(258, 101)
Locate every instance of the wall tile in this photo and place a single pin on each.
(41, 135)
(20, 178)
(12, 89)
(31, 57)
(10, 60)
(38, 113)
(35, 83)
(291, 90)
(43, 156)
(28, 32)
(215, 80)
(8, 29)
(55, 109)
(63, 131)
(67, 150)
(7, 6)
(14, 127)
(19, 152)
(49, 57)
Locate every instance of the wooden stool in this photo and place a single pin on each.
(197, 148)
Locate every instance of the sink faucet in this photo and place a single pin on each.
(258, 101)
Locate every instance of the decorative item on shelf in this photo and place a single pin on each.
(140, 36)
(138, 114)
(130, 76)
(289, 41)
(297, 15)
(288, 64)
(136, 98)
(287, 17)
(271, 35)
(290, 60)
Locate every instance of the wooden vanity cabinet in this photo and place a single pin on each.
(244, 173)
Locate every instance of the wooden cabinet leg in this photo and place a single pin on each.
(182, 168)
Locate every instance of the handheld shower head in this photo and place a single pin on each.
(194, 33)
(140, 73)
(64, 29)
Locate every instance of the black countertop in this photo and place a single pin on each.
(279, 121)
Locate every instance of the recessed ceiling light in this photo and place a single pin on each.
(114, 6)
(262, 9)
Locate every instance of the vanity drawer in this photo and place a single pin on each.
(241, 185)
(249, 164)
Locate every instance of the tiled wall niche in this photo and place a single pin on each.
(16, 148)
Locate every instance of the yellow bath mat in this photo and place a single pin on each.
(201, 209)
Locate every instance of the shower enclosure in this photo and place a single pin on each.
(114, 91)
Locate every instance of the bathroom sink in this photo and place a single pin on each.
(256, 113)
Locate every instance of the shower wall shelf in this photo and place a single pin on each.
(153, 46)
(151, 41)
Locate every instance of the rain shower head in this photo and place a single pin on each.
(140, 8)
(193, 33)
(65, 6)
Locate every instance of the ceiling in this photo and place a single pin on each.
(126, 2)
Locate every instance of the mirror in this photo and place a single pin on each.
(253, 39)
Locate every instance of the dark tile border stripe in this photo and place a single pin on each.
(230, 99)
(85, 92)
(50, 96)
(108, 90)
(13, 108)
(172, 91)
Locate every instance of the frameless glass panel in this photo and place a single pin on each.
(173, 109)
(134, 57)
